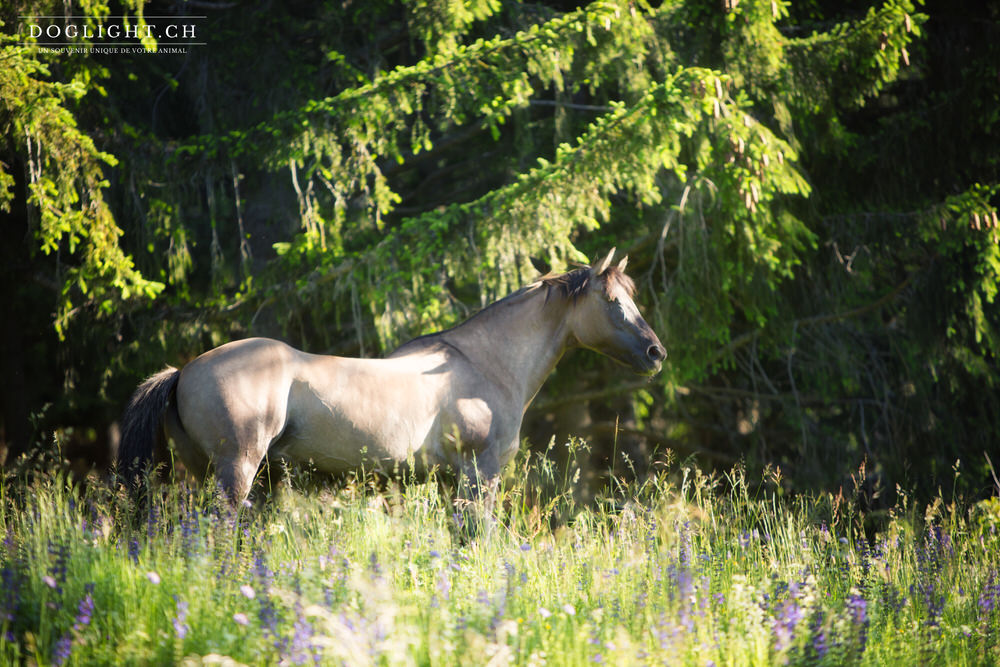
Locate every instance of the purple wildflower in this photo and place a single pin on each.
(444, 586)
(133, 550)
(152, 520)
(893, 599)
(789, 616)
(268, 613)
(684, 550)
(858, 608)
(189, 532)
(988, 598)
(820, 645)
(63, 649)
(302, 647)
(180, 620)
(60, 554)
(84, 614)
(483, 598)
(374, 566)
(264, 575)
(10, 600)
(85, 610)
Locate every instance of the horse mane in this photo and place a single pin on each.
(570, 285)
(573, 284)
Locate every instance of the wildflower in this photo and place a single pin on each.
(153, 577)
(302, 633)
(525, 547)
(685, 549)
(189, 532)
(784, 625)
(50, 581)
(988, 598)
(241, 618)
(265, 577)
(133, 550)
(10, 592)
(85, 610)
(820, 644)
(858, 608)
(60, 552)
(444, 586)
(248, 591)
(543, 612)
(63, 649)
(268, 613)
(180, 621)
(569, 609)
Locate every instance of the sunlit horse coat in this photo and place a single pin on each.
(454, 398)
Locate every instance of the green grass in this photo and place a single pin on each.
(682, 569)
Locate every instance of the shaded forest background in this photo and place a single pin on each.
(807, 191)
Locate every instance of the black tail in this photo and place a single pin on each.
(141, 424)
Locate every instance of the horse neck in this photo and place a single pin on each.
(517, 341)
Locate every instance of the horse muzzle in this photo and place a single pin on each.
(648, 362)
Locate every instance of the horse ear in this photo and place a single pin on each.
(541, 266)
(601, 266)
(622, 264)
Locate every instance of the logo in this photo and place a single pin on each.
(112, 34)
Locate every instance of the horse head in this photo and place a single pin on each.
(605, 318)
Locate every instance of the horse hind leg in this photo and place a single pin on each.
(192, 456)
(231, 448)
(236, 477)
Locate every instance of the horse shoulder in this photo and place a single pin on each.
(482, 413)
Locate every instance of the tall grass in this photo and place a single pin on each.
(682, 568)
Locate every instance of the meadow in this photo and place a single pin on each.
(682, 568)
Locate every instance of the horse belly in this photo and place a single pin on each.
(345, 428)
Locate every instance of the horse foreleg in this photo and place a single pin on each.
(478, 488)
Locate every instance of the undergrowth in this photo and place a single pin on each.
(681, 568)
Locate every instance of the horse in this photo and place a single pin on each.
(453, 399)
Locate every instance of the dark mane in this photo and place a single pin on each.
(575, 283)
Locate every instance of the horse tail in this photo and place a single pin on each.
(142, 424)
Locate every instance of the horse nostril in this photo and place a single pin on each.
(656, 353)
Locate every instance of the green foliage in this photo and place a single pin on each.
(683, 568)
(65, 179)
(807, 192)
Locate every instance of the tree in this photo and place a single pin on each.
(348, 177)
